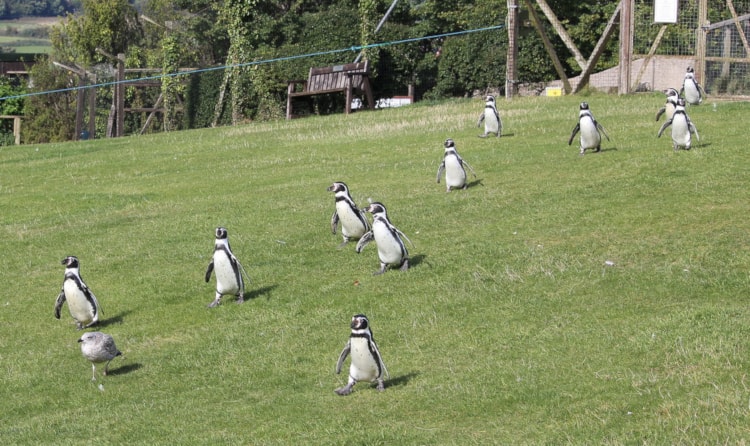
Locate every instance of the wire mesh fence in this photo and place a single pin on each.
(709, 35)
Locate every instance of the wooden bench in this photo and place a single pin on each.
(351, 78)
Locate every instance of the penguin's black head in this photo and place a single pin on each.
(360, 322)
(375, 208)
(690, 70)
(671, 92)
(70, 262)
(449, 143)
(221, 233)
(490, 98)
(584, 105)
(338, 186)
(681, 102)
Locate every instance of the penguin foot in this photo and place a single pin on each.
(240, 300)
(214, 303)
(405, 265)
(343, 244)
(381, 385)
(483, 136)
(343, 391)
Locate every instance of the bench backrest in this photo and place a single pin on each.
(335, 77)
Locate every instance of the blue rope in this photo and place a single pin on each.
(259, 62)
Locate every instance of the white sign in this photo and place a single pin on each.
(665, 11)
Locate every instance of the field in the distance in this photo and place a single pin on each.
(510, 328)
(18, 34)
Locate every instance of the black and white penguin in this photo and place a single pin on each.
(391, 249)
(672, 96)
(353, 222)
(589, 128)
(682, 127)
(453, 164)
(98, 348)
(83, 306)
(691, 89)
(491, 118)
(228, 269)
(366, 362)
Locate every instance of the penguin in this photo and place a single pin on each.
(366, 362)
(354, 224)
(98, 347)
(491, 118)
(589, 128)
(453, 164)
(391, 249)
(82, 303)
(691, 89)
(672, 96)
(228, 270)
(682, 127)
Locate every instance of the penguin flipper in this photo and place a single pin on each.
(440, 170)
(403, 235)
(209, 270)
(664, 127)
(660, 112)
(692, 128)
(343, 355)
(601, 129)
(470, 168)
(334, 221)
(379, 358)
(364, 240)
(573, 135)
(59, 303)
(481, 118)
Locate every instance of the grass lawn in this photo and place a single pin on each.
(561, 299)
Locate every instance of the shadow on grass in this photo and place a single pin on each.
(266, 290)
(114, 320)
(401, 380)
(416, 260)
(474, 183)
(127, 368)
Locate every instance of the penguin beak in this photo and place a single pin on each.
(330, 188)
(80, 340)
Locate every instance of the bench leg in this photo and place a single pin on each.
(349, 100)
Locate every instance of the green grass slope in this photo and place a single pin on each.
(510, 327)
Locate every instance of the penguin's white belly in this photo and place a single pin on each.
(363, 366)
(455, 175)
(226, 279)
(491, 123)
(590, 137)
(80, 308)
(692, 95)
(389, 248)
(351, 225)
(680, 132)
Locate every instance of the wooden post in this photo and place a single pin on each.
(80, 106)
(562, 33)
(548, 46)
(17, 129)
(700, 41)
(511, 71)
(626, 44)
(92, 109)
(120, 90)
